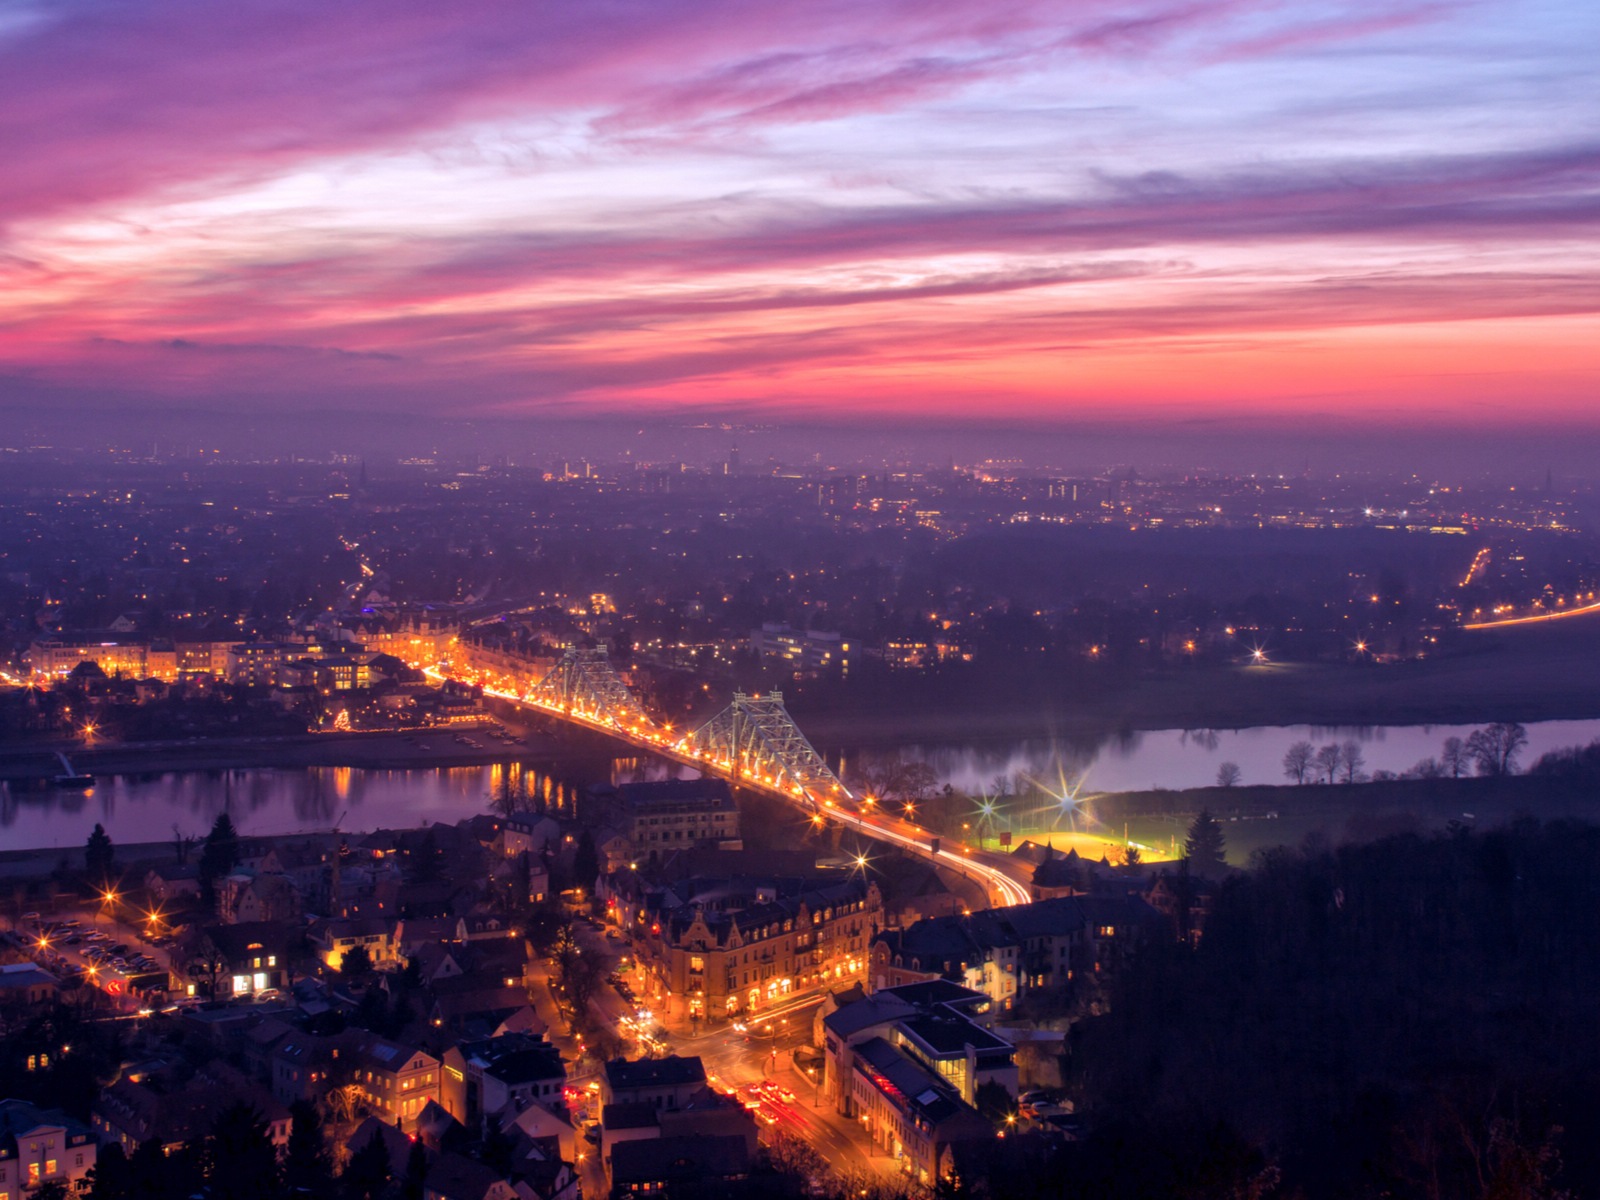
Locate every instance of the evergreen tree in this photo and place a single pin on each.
(411, 1187)
(427, 864)
(586, 862)
(367, 1173)
(307, 1167)
(1205, 847)
(110, 1177)
(357, 961)
(99, 857)
(241, 1162)
(218, 856)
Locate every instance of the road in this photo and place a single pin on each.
(736, 1062)
(1000, 878)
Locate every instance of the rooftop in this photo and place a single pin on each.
(655, 1072)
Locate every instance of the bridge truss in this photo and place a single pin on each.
(584, 685)
(755, 739)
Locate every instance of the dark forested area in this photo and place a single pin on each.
(1411, 1017)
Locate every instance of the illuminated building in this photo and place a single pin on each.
(54, 655)
(805, 652)
(759, 946)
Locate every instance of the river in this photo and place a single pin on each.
(261, 801)
(1180, 758)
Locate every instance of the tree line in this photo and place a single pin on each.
(1490, 751)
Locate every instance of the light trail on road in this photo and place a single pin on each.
(1000, 885)
(1535, 619)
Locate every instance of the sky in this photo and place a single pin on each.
(1201, 214)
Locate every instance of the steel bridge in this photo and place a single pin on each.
(753, 743)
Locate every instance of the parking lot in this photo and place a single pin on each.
(103, 952)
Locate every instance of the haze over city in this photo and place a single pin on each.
(842, 601)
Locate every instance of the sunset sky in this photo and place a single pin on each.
(1263, 210)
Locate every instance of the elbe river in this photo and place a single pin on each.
(145, 808)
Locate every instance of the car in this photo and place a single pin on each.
(785, 1095)
(74, 940)
(593, 1134)
(268, 995)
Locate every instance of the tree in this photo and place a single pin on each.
(1494, 748)
(1454, 757)
(586, 862)
(1205, 848)
(207, 964)
(367, 1174)
(1131, 857)
(797, 1162)
(357, 962)
(99, 856)
(415, 1180)
(218, 856)
(241, 1162)
(1228, 775)
(1352, 760)
(1297, 762)
(427, 864)
(993, 1101)
(307, 1166)
(1327, 762)
(109, 1177)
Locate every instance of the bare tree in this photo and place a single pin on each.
(1328, 760)
(1352, 759)
(207, 965)
(1228, 775)
(1454, 758)
(1297, 762)
(1429, 768)
(1495, 747)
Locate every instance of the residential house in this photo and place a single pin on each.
(491, 1076)
(659, 1082)
(39, 1146)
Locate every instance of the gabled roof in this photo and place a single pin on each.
(671, 1071)
(461, 1178)
(691, 1158)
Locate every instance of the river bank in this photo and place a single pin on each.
(1537, 673)
(1257, 818)
(368, 751)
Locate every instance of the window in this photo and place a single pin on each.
(50, 1166)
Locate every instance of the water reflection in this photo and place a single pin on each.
(148, 807)
(1173, 758)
